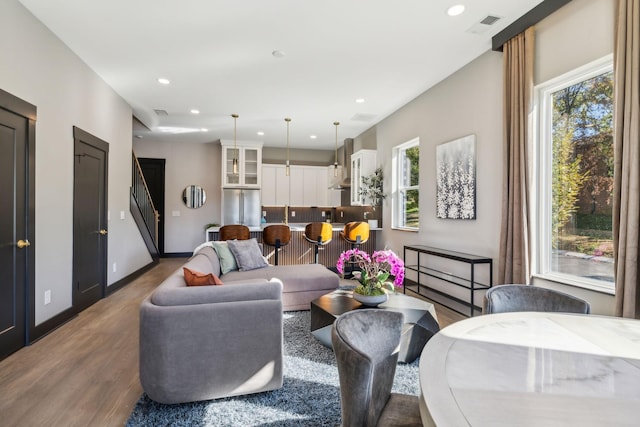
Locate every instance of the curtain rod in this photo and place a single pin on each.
(535, 15)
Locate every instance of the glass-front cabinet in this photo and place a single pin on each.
(363, 163)
(247, 158)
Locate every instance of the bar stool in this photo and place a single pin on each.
(234, 231)
(276, 235)
(356, 233)
(318, 233)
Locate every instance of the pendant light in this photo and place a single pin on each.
(335, 162)
(287, 168)
(235, 146)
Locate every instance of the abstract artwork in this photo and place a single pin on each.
(456, 179)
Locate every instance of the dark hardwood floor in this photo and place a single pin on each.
(85, 373)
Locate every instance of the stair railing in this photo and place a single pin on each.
(142, 197)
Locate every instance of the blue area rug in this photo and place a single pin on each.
(310, 395)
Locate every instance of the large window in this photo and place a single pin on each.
(406, 189)
(574, 239)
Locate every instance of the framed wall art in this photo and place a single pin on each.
(456, 179)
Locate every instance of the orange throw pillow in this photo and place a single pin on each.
(194, 278)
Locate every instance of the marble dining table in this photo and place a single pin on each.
(532, 369)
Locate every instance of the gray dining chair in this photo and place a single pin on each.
(365, 343)
(510, 298)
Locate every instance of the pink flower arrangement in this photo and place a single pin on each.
(375, 269)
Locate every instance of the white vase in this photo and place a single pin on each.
(370, 300)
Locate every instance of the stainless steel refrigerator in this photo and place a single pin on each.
(241, 206)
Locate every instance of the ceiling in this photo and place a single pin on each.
(218, 56)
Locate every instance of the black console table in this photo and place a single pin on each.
(423, 271)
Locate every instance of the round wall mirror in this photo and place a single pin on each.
(194, 196)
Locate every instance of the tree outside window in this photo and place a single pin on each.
(581, 242)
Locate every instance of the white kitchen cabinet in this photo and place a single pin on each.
(282, 186)
(268, 189)
(249, 155)
(363, 163)
(315, 184)
(296, 186)
(334, 198)
(305, 186)
(275, 185)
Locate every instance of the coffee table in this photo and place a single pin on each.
(420, 321)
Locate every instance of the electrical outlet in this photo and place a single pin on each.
(121, 214)
(341, 214)
(114, 267)
(108, 215)
(293, 214)
(324, 214)
(264, 213)
(175, 213)
(47, 297)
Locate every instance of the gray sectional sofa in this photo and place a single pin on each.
(207, 342)
(301, 284)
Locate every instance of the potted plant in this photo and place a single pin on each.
(371, 187)
(381, 271)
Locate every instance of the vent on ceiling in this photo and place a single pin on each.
(161, 112)
(490, 20)
(484, 24)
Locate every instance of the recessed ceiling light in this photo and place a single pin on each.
(194, 111)
(360, 100)
(278, 53)
(455, 10)
(260, 133)
(313, 136)
(164, 81)
(176, 129)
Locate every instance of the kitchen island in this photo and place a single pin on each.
(299, 250)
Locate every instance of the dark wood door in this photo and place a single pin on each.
(89, 220)
(13, 203)
(153, 171)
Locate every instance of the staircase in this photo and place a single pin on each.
(142, 210)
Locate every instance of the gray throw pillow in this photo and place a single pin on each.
(248, 254)
(227, 259)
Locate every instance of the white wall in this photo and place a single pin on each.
(186, 164)
(470, 102)
(575, 35)
(40, 69)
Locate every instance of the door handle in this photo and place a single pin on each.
(23, 244)
(103, 232)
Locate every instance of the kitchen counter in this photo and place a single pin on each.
(299, 250)
(294, 226)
